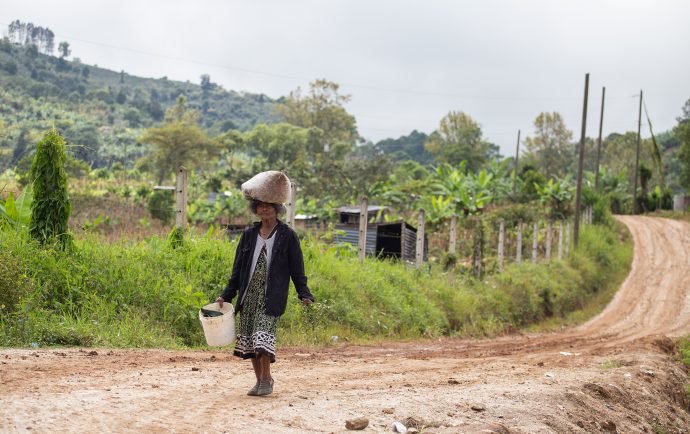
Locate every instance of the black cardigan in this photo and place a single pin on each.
(286, 262)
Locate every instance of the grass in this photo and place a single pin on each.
(619, 262)
(146, 294)
(610, 364)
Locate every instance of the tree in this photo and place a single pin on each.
(64, 49)
(29, 34)
(51, 207)
(206, 84)
(410, 147)
(550, 146)
(323, 108)
(284, 146)
(682, 131)
(179, 141)
(459, 138)
(619, 154)
(21, 147)
(121, 97)
(85, 142)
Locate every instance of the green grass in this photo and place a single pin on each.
(684, 348)
(146, 294)
(610, 364)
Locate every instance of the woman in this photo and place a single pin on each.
(267, 256)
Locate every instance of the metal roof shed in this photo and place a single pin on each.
(391, 240)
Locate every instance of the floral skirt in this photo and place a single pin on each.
(257, 331)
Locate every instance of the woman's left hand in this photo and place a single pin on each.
(306, 302)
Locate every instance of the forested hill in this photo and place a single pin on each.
(103, 112)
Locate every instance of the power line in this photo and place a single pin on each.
(308, 79)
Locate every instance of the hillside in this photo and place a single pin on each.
(101, 111)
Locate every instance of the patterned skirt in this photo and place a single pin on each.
(257, 331)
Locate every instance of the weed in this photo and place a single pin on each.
(610, 364)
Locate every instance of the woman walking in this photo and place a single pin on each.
(267, 256)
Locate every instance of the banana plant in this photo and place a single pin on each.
(556, 194)
(439, 208)
(469, 192)
(16, 213)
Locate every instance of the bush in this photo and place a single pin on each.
(5, 45)
(10, 67)
(160, 205)
(51, 207)
(14, 283)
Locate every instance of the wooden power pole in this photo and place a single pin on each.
(581, 161)
(601, 124)
(517, 156)
(637, 157)
(181, 198)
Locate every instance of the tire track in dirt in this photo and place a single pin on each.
(611, 374)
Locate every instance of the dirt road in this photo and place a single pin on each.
(615, 373)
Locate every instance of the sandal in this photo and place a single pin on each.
(265, 387)
(254, 391)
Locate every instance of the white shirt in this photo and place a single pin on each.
(260, 242)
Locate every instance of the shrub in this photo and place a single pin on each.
(50, 208)
(14, 284)
(160, 206)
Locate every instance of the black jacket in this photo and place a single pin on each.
(286, 262)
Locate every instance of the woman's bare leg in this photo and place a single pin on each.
(257, 369)
(265, 366)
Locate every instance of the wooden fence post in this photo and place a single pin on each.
(420, 239)
(363, 221)
(567, 238)
(181, 198)
(560, 239)
(535, 242)
(518, 249)
(501, 239)
(453, 234)
(292, 206)
(548, 239)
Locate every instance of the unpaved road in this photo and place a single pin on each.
(616, 373)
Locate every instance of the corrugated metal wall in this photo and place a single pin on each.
(352, 236)
(409, 245)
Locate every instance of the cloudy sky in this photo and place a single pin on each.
(405, 63)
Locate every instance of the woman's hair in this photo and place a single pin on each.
(280, 209)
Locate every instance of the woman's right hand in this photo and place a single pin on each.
(220, 301)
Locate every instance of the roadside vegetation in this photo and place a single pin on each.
(88, 255)
(147, 294)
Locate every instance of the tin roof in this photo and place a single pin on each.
(357, 209)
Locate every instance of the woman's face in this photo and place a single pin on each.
(266, 210)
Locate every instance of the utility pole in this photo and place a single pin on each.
(601, 124)
(578, 194)
(517, 156)
(637, 157)
(363, 221)
(181, 198)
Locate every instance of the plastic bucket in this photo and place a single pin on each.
(219, 330)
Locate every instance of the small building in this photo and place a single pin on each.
(350, 214)
(307, 221)
(386, 239)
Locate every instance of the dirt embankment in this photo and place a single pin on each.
(616, 373)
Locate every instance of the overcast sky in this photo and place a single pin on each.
(405, 63)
